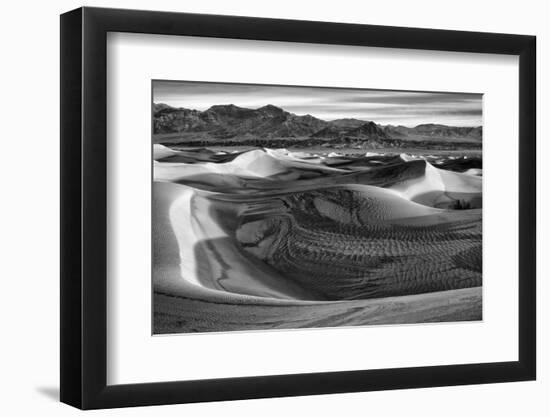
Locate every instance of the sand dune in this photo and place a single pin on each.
(259, 170)
(354, 244)
(161, 152)
(441, 188)
(201, 254)
(474, 171)
(256, 163)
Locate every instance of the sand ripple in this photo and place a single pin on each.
(343, 244)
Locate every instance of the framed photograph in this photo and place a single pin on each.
(257, 208)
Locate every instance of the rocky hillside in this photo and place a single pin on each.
(434, 130)
(230, 121)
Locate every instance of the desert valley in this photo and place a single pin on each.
(263, 219)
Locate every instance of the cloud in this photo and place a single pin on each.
(382, 106)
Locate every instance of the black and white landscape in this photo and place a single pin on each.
(280, 207)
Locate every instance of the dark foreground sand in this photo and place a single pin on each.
(174, 314)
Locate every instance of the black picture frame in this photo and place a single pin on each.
(84, 209)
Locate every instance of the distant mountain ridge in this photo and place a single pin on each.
(229, 121)
(432, 129)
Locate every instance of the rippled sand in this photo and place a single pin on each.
(270, 239)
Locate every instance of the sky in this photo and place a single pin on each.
(381, 106)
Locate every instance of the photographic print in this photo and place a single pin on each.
(289, 207)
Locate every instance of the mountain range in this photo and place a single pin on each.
(230, 122)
